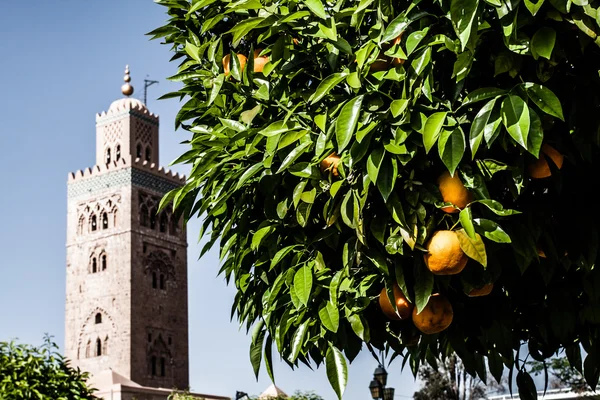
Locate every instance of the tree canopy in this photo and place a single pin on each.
(30, 372)
(442, 153)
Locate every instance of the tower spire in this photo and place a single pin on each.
(127, 89)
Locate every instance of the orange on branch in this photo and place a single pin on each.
(444, 255)
(330, 163)
(539, 168)
(259, 61)
(242, 59)
(435, 317)
(453, 191)
(402, 304)
(482, 291)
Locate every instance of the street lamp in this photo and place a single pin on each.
(377, 385)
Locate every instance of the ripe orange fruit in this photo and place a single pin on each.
(402, 305)
(295, 41)
(482, 291)
(540, 168)
(259, 61)
(397, 61)
(541, 253)
(435, 317)
(444, 255)
(453, 191)
(330, 163)
(242, 58)
(379, 65)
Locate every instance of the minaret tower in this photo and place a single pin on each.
(126, 292)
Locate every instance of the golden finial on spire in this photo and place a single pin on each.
(127, 89)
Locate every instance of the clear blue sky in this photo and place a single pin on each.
(61, 62)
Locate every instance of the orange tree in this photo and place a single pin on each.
(445, 150)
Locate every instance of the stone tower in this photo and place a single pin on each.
(126, 292)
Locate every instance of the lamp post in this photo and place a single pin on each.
(377, 386)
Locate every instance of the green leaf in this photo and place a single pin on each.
(330, 317)
(387, 176)
(463, 13)
(256, 347)
(346, 122)
(260, 235)
(293, 156)
(359, 326)
(374, 163)
(398, 107)
(491, 230)
(451, 147)
(249, 173)
(337, 370)
(399, 24)
(497, 208)
(326, 85)
(303, 283)
(484, 122)
(473, 248)
(298, 340)
(482, 94)
(379, 261)
(269, 357)
(280, 255)
(423, 286)
(279, 127)
(193, 51)
(544, 99)
(466, 220)
(244, 27)
(216, 88)
(527, 390)
(316, 7)
(432, 129)
(534, 6)
(542, 43)
(515, 116)
(536, 134)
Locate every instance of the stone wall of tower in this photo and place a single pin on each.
(159, 301)
(106, 291)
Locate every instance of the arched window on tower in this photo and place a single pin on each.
(94, 265)
(94, 222)
(153, 365)
(87, 349)
(162, 281)
(162, 366)
(104, 262)
(118, 152)
(154, 280)
(115, 214)
(107, 159)
(144, 215)
(153, 218)
(80, 225)
(105, 348)
(148, 153)
(98, 318)
(104, 220)
(138, 151)
(98, 347)
(164, 222)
